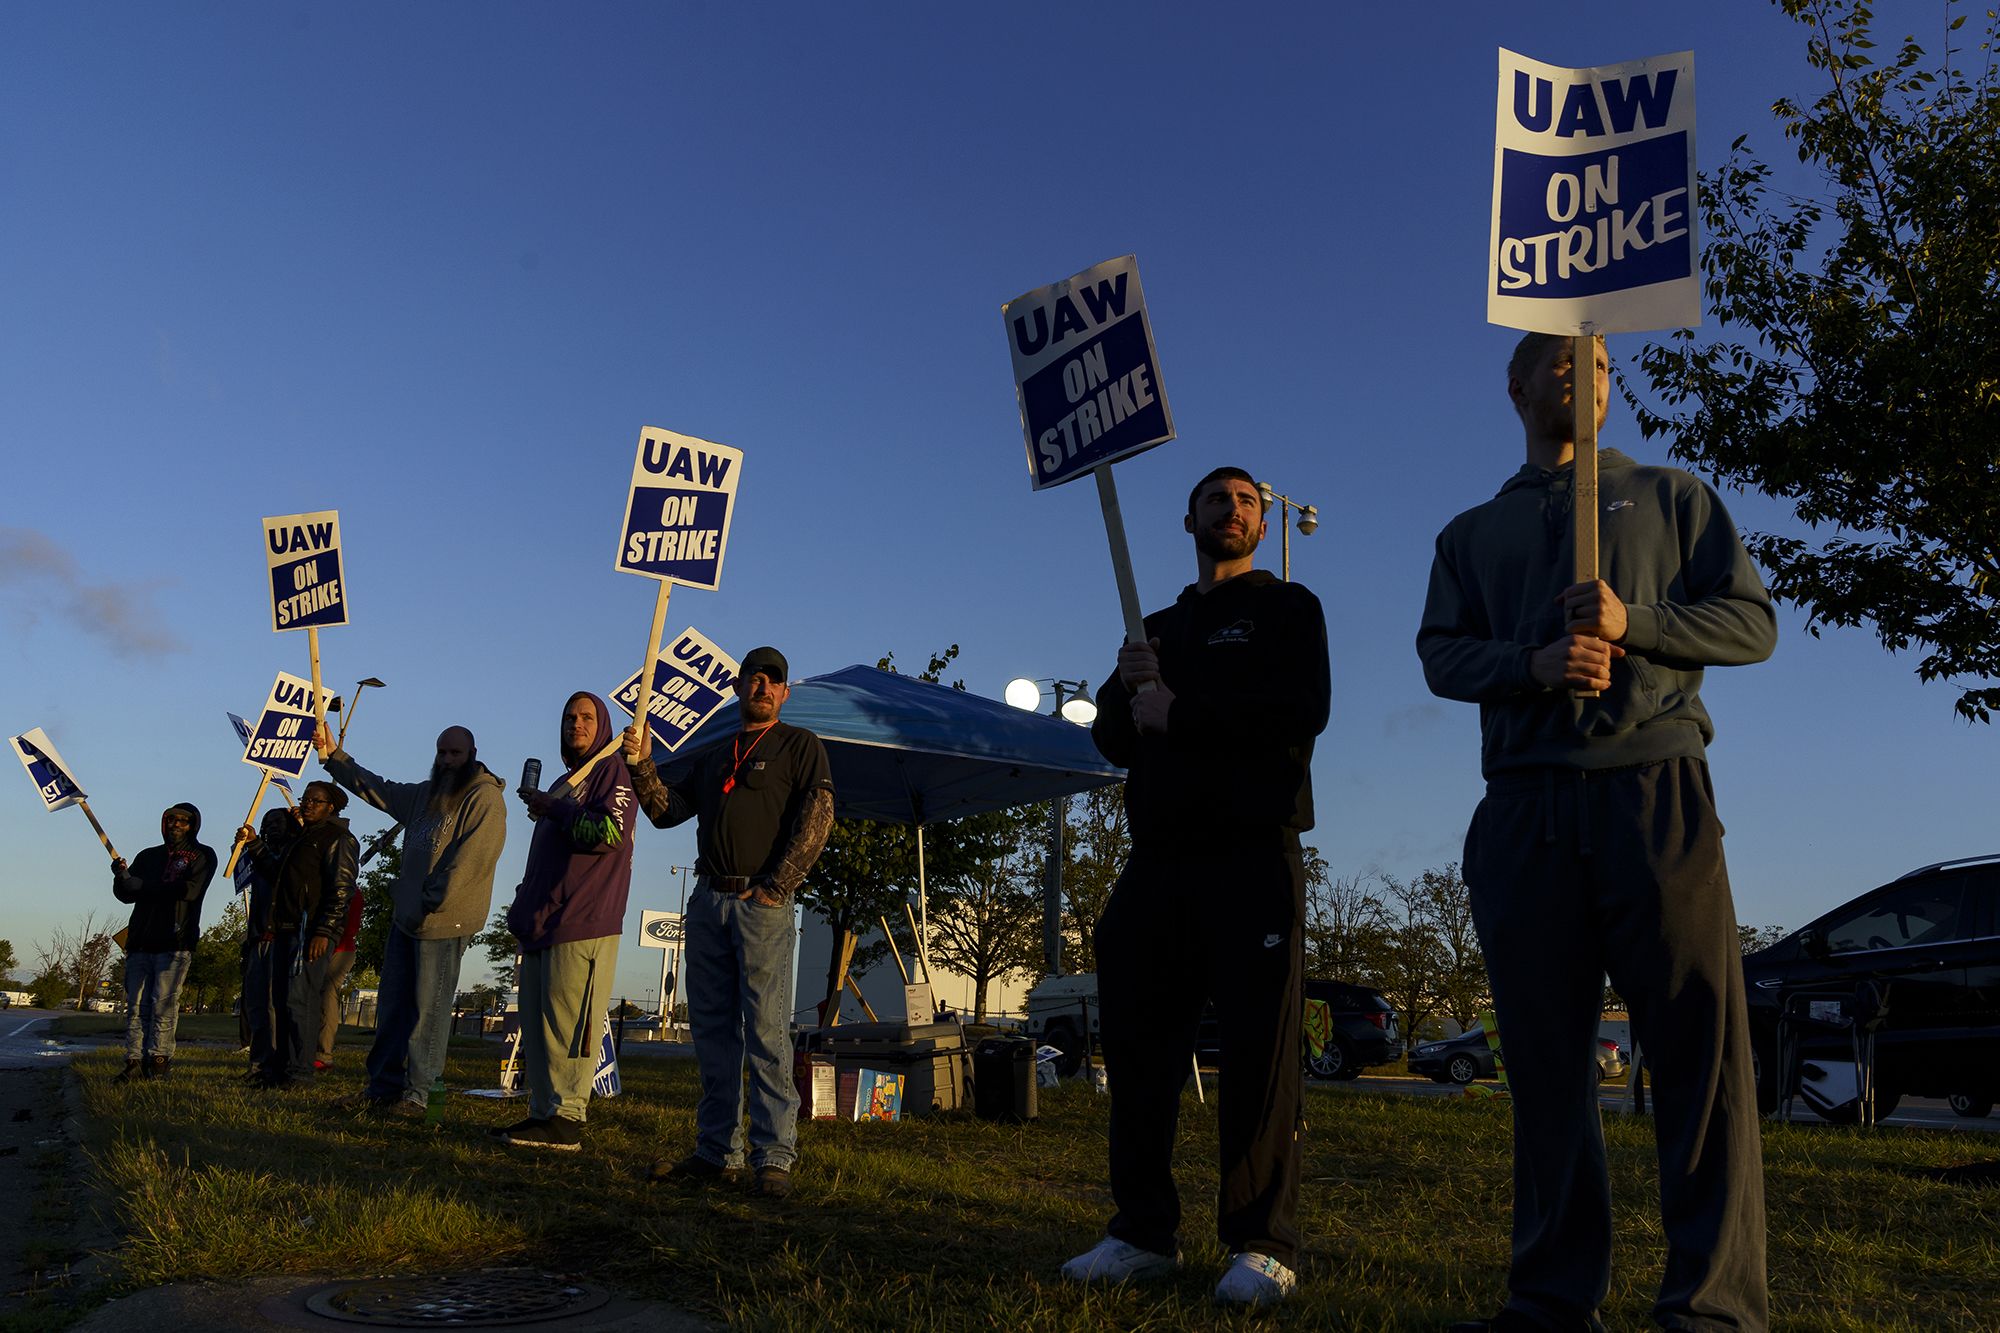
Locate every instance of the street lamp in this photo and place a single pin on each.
(1073, 704)
(354, 703)
(1308, 520)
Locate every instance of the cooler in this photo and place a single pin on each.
(930, 1056)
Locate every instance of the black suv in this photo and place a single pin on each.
(1358, 1029)
(1923, 951)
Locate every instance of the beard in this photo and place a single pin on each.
(447, 783)
(1225, 545)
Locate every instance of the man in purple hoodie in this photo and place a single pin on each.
(568, 914)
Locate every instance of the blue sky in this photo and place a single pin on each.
(434, 266)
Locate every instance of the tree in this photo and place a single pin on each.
(1866, 390)
(1347, 924)
(500, 945)
(986, 921)
(378, 910)
(7, 961)
(1412, 959)
(1446, 906)
(1095, 849)
(1753, 938)
(215, 973)
(77, 956)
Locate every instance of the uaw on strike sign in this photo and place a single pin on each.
(282, 739)
(1086, 372)
(303, 550)
(677, 517)
(1594, 197)
(691, 679)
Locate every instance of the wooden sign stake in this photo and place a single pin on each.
(319, 695)
(255, 801)
(644, 702)
(1121, 560)
(1583, 399)
(101, 835)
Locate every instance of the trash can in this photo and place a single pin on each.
(1003, 1079)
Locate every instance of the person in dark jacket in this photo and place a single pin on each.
(568, 915)
(1215, 717)
(1597, 850)
(165, 885)
(312, 879)
(277, 829)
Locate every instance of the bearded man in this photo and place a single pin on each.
(568, 914)
(454, 826)
(1214, 716)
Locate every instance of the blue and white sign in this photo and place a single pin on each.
(1086, 373)
(1594, 197)
(307, 590)
(244, 731)
(691, 679)
(47, 771)
(604, 1083)
(282, 739)
(677, 519)
(660, 930)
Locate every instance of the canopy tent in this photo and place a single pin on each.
(907, 751)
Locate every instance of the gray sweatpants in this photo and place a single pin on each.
(1574, 875)
(564, 991)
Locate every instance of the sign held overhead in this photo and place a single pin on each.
(677, 518)
(303, 552)
(46, 769)
(1086, 372)
(281, 742)
(1594, 197)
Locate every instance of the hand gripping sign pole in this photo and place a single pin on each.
(281, 740)
(1593, 224)
(308, 589)
(53, 780)
(676, 530)
(1086, 376)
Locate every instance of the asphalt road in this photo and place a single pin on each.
(25, 1043)
(1913, 1112)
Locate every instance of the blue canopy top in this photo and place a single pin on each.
(905, 751)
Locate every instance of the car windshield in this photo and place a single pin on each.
(1917, 914)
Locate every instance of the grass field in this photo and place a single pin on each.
(961, 1224)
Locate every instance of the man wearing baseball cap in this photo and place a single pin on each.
(764, 805)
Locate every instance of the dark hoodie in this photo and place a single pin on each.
(165, 885)
(1247, 665)
(1666, 547)
(312, 878)
(579, 872)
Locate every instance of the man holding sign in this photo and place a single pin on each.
(165, 885)
(1215, 717)
(1597, 849)
(765, 805)
(454, 825)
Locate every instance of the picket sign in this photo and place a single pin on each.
(1593, 225)
(54, 783)
(302, 553)
(262, 782)
(1087, 381)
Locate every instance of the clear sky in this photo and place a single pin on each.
(434, 266)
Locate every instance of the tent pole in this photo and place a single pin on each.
(923, 909)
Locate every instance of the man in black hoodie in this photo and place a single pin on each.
(1597, 850)
(1214, 717)
(311, 878)
(258, 1033)
(165, 887)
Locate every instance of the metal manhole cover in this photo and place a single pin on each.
(491, 1298)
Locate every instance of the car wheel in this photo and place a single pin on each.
(1333, 1061)
(1461, 1069)
(1969, 1106)
(1062, 1034)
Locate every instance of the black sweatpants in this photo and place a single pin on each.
(1574, 875)
(1181, 929)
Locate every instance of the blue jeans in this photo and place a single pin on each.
(413, 1014)
(739, 986)
(153, 1002)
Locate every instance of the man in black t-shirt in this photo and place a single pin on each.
(764, 805)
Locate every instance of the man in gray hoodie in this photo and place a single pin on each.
(454, 825)
(1597, 850)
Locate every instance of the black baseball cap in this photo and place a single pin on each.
(767, 660)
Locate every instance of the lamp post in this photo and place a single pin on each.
(1073, 704)
(354, 703)
(670, 981)
(1308, 520)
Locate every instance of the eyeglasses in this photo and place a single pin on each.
(314, 800)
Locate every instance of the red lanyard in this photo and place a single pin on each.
(736, 759)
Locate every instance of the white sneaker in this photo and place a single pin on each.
(1255, 1279)
(1112, 1260)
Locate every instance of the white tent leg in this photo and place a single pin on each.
(923, 909)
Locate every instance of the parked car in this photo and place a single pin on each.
(1359, 1028)
(1469, 1055)
(1921, 956)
